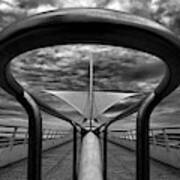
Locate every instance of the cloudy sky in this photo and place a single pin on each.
(63, 68)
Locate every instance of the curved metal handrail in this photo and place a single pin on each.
(104, 127)
(49, 110)
(73, 26)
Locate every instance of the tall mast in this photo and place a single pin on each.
(91, 98)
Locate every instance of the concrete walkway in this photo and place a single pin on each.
(57, 165)
(122, 162)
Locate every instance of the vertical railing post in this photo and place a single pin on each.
(12, 139)
(166, 139)
(35, 135)
(60, 135)
(126, 135)
(134, 135)
(74, 152)
(105, 153)
(142, 136)
(55, 134)
(153, 137)
(130, 136)
(25, 138)
(49, 134)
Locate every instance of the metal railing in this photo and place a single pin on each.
(12, 135)
(167, 137)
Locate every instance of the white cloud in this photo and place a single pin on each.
(147, 86)
(5, 7)
(123, 5)
(10, 7)
(77, 3)
(10, 2)
(166, 20)
(41, 8)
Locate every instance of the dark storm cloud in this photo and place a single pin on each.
(61, 70)
(146, 71)
(67, 68)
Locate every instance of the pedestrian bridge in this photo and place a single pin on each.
(57, 157)
(90, 148)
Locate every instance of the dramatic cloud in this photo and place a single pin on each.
(67, 67)
(10, 7)
(123, 5)
(41, 8)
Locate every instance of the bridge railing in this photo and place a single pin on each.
(168, 137)
(12, 135)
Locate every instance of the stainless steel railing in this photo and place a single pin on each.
(167, 137)
(12, 135)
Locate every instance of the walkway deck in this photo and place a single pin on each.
(122, 162)
(57, 164)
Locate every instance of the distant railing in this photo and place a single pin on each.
(12, 135)
(168, 137)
